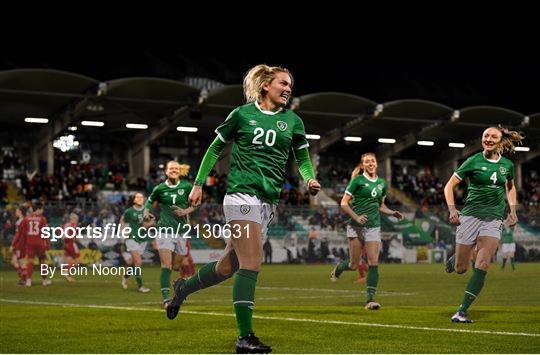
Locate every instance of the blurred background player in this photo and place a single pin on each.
(18, 247)
(35, 245)
(172, 197)
(366, 193)
(133, 217)
(71, 248)
(508, 245)
(264, 134)
(479, 224)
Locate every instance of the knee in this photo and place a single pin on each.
(225, 270)
(461, 269)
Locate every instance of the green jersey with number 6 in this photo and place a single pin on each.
(367, 196)
(263, 141)
(169, 197)
(486, 190)
(134, 217)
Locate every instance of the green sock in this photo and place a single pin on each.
(512, 262)
(243, 297)
(138, 278)
(205, 277)
(372, 281)
(164, 282)
(342, 266)
(503, 264)
(473, 289)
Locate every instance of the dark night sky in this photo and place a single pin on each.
(457, 78)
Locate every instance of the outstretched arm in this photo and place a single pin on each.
(209, 160)
(306, 170)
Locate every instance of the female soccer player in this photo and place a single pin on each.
(18, 247)
(133, 217)
(479, 223)
(71, 249)
(363, 201)
(508, 245)
(263, 133)
(172, 196)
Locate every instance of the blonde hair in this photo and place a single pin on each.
(256, 77)
(509, 139)
(359, 168)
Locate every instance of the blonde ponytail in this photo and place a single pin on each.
(509, 139)
(255, 79)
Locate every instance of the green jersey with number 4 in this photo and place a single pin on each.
(367, 196)
(263, 141)
(170, 197)
(134, 218)
(486, 190)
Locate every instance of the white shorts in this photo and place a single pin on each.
(132, 245)
(471, 228)
(366, 234)
(243, 207)
(177, 245)
(508, 248)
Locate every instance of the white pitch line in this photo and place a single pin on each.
(304, 320)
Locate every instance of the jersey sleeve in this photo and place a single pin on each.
(152, 198)
(227, 130)
(125, 216)
(352, 187)
(384, 190)
(299, 140)
(510, 172)
(465, 169)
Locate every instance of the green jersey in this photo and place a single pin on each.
(487, 179)
(134, 218)
(367, 196)
(169, 196)
(507, 235)
(263, 141)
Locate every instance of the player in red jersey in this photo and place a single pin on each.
(71, 249)
(31, 227)
(18, 247)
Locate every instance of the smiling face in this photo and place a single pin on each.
(278, 90)
(172, 170)
(138, 199)
(369, 163)
(491, 138)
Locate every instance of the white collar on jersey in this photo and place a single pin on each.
(266, 112)
(492, 160)
(367, 177)
(169, 185)
(138, 209)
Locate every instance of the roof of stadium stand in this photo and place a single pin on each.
(49, 93)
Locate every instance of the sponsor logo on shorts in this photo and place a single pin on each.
(244, 209)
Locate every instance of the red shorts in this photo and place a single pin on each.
(72, 250)
(35, 250)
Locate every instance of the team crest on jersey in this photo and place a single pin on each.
(282, 125)
(244, 209)
(367, 184)
(252, 122)
(181, 192)
(379, 186)
(502, 169)
(484, 168)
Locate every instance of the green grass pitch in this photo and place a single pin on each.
(297, 310)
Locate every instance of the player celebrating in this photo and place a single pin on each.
(172, 196)
(263, 133)
(133, 217)
(479, 223)
(365, 194)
